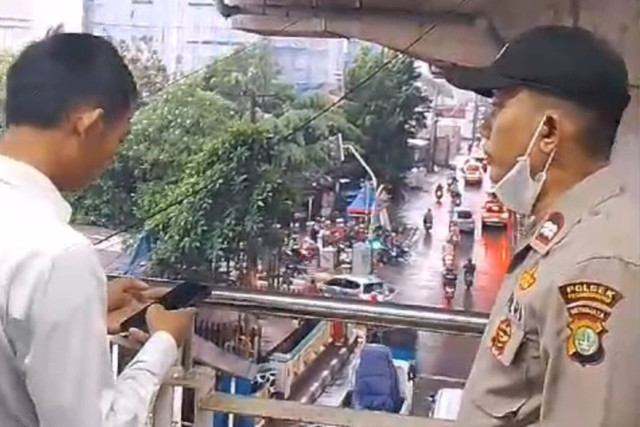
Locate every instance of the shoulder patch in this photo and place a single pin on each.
(589, 306)
(550, 228)
(590, 292)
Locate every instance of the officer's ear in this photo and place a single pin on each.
(550, 132)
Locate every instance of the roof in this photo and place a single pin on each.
(112, 252)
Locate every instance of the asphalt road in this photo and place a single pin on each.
(445, 360)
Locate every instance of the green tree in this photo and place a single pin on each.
(388, 109)
(163, 139)
(6, 58)
(250, 79)
(234, 180)
(230, 194)
(146, 65)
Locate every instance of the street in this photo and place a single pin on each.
(445, 360)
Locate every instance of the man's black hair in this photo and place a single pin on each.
(599, 134)
(64, 71)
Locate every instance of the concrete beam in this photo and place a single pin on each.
(438, 38)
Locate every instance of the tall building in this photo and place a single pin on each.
(22, 21)
(188, 34)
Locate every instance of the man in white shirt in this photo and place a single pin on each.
(69, 99)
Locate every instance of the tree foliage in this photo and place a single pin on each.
(216, 162)
(196, 142)
(249, 79)
(146, 66)
(388, 110)
(6, 58)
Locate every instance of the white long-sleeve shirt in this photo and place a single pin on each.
(55, 366)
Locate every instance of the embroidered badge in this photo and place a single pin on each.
(590, 292)
(501, 337)
(550, 228)
(528, 279)
(589, 306)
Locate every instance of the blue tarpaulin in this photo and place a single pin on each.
(363, 204)
(140, 255)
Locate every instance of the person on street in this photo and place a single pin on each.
(439, 191)
(469, 272)
(427, 220)
(562, 343)
(68, 102)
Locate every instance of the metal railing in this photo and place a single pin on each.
(349, 310)
(202, 379)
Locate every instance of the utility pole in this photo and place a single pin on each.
(434, 131)
(474, 125)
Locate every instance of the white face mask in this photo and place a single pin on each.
(517, 190)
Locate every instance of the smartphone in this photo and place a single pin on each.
(186, 294)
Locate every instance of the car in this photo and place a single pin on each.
(463, 217)
(368, 288)
(472, 173)
(493, 212)
(480, 157)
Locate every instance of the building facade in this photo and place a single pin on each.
(188, 34)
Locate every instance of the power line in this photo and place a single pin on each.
(299, 128)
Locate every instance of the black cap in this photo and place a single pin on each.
(568, 62)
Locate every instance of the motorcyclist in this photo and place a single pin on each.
(439, 191)
(427, 220)
(469, 270)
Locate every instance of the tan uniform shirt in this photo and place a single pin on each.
(562, 347)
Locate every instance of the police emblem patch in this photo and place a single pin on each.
(528, 279)
(501, 337)
(589, 306)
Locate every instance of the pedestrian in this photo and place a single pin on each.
(562, 343)
(68, 102)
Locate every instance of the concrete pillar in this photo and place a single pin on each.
(618, 21)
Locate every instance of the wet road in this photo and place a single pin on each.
(443, 360)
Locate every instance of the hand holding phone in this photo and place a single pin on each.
(175, 322)
(182, 296)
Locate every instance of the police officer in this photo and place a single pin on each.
(563, 342)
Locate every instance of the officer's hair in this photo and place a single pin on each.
(53, 76)
(598, 129)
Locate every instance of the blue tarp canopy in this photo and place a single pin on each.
(363, 204)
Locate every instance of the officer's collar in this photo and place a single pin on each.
(580, 200)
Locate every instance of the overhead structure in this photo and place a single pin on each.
(470, 32)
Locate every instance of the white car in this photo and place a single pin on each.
(493, 212)
(472, 172)
(465, 220)
(368, 288)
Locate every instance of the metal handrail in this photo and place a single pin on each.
(201, 379)
(349, 310)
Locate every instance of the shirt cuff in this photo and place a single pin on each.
(159, 353)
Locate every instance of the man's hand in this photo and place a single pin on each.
(176, 323)
(125, 297)
(121, 292)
